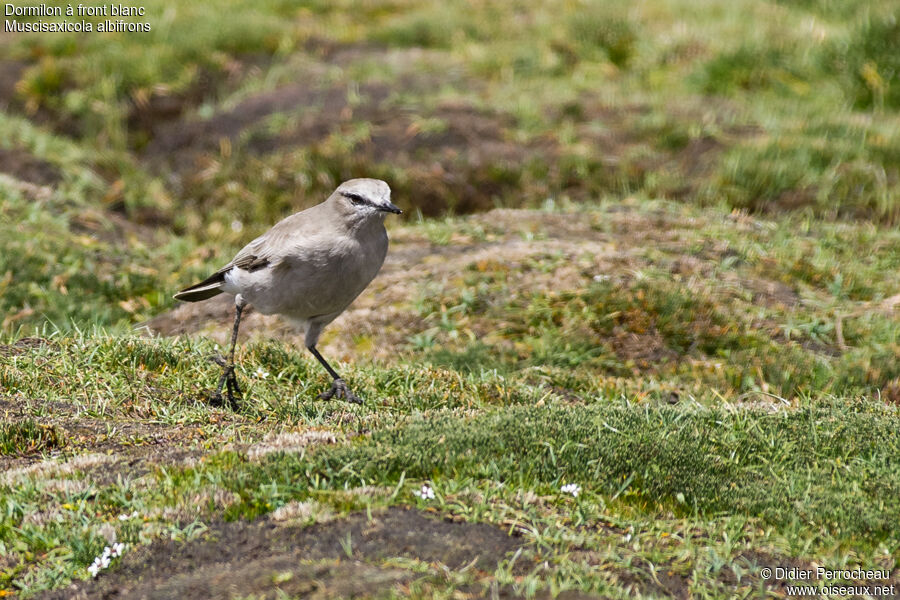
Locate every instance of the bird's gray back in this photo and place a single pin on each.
(309, 265)
(291, 231)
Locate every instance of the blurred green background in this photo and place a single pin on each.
(227, 116)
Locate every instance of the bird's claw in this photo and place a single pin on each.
(218, 399)
(340, 390)
(228, 380)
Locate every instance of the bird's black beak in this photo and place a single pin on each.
(391, 209)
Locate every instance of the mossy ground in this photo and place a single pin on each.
(651, 251)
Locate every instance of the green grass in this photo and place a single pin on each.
(26, 437)
(705, 310)
(814, 480)
(790, 358)
(870, 68)
(697, 463)
(696, 322)
(56, 271)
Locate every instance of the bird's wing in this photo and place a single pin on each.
(289, 236)
(254, 256)
(268, 250)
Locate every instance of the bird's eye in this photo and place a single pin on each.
(355, 198)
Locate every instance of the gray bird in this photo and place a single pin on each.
(309, 268)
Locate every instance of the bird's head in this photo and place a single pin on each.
(365, 198)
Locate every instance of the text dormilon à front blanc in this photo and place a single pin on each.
(75, 26)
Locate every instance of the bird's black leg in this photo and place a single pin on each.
(339, 387)
(228, 380)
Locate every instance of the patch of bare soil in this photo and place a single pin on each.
(454, 156)
(171, 137)
(23, 166)
(343, 558)
(133, 447)
(132, 443)
(149, 108)
(24, 346)
(174, 138)
(323, 107)
(10, 73)
(112, 227)
(152, 110)
(176, 141)
(661, 584)
(645, 350)
(466, 166)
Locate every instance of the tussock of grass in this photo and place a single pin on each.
(747, 68)
(599, 28)
(868, 63)
(26, 437)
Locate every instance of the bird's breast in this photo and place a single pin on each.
(325, 280)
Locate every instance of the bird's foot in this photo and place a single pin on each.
(220, 400)
(340, 390)
(228, 380)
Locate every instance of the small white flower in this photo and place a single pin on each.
(571, 488)
(260, 373)
(126, 516)
(601, 278)
(104, 560)
(426, 493)
(627, 537)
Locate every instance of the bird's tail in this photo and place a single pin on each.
(209, 287)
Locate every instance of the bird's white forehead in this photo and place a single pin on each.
(375, 189)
